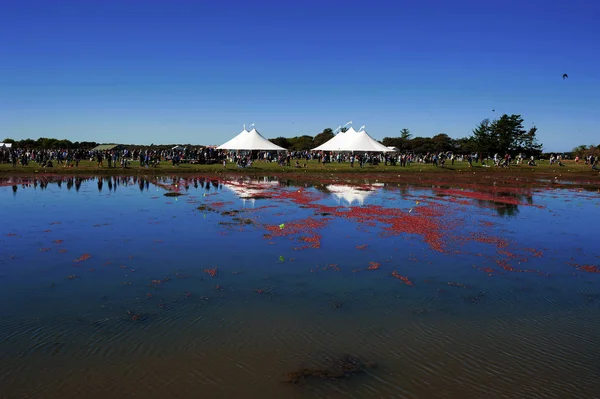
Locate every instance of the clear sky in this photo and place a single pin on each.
(169, 71)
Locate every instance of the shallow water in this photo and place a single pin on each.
(452, 291)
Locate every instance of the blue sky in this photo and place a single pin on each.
(135, 71)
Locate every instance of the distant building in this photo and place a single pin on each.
(108, 147)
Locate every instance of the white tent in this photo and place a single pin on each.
(337, 142)
(231, 144)
(251, 140)
(351, 140)
(6, 145)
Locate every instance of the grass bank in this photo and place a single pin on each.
(544, 169)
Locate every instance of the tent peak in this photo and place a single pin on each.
(351, 140)
(250, 140)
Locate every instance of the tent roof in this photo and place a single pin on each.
(230, 145)
(106, 147)
(333, 142)
(351, 140)
(337, 141)
(251, 140)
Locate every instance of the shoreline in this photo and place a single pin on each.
(570, 168)
(580, 176)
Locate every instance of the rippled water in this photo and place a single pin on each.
(452, 291)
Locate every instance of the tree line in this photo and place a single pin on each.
(50, 143)
(583, 151)
(503, 135)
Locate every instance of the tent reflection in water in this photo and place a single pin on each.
(250, 140)
(248, 190)
(352, 195)
(352, 140)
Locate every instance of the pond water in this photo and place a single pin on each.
(234, 287)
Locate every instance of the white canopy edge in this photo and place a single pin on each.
(250, 140)
(351, 140)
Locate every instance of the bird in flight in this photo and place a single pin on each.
(565, 76)
(493, 110)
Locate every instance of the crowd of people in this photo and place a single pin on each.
(148, 157)
(112, 158)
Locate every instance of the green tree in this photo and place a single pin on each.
(505, 131)
(394, 142)
(64, 144)
(510, 134)
(586, 150)
(405, 134)
(528, 143)
(421, 145)
(86, 144)
(46, 143)
(8, 141)
(580, 150)
(402, 143)
(26, 143)
(506, 135)
(483, 137)
(301, 143)
(323, 137)
(281, 141)
(442, 143)
(465, 145)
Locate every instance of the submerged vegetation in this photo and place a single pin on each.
(344, 367)
(173, 194)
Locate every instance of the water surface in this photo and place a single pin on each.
(111, 288)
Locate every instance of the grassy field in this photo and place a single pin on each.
(571, 170)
